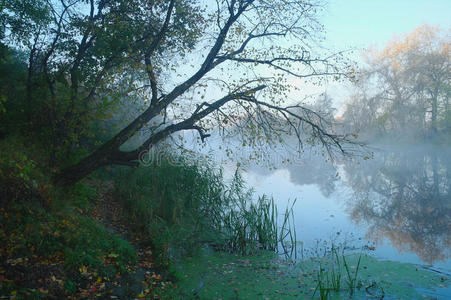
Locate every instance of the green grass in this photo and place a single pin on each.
(45, 232)
(75, 238)
(183, 206)
(178, 207)
(72, 247)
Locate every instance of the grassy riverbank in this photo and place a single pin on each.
(118, 228)
(172, 230)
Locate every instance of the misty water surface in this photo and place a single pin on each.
(396, 205)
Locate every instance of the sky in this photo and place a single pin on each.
(359, 24)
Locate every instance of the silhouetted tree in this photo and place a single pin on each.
(242, 56)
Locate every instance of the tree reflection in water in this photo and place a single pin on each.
(312, 168)
(405, 195)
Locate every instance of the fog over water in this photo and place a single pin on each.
(396, 205)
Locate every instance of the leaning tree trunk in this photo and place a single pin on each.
(74, 173)
(108, 153)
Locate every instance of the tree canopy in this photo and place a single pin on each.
(195, 66)
(405, 87)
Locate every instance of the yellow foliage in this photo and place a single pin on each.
(424, 40)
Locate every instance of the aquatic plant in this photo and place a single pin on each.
(287, 233)
(352, 278)
(332, 270)
(185, 204)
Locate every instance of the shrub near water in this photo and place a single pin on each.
(171, 203)
(183, 205)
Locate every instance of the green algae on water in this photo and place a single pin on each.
(219, 275)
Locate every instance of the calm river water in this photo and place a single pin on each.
(396, 205)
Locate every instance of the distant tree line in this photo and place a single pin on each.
(404, 89)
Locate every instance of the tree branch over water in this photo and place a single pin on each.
(243, 55)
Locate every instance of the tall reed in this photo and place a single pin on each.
(335, 275)
(185, 204)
